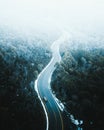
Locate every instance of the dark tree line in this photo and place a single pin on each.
(20, 63)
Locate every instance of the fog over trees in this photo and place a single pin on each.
(27, 30)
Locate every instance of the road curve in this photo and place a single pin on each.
(42, 86)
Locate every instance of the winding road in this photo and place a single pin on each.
(42, 86)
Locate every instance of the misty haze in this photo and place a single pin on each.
(51, 64)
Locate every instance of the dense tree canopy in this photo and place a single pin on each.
(78, 82)
(20, 63)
